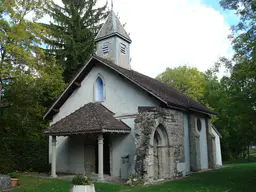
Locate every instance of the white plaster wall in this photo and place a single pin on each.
(203, 145)
(111, 47)
(122, 97)
(186, 143)
(61, 153)
(123, 59)
(218, 148)
(122, 146)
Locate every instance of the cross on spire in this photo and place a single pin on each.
(112, 4)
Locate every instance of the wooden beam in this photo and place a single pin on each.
(77, 84)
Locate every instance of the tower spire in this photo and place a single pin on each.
(113, 42)
(112, 5)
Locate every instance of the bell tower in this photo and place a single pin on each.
(113, 42)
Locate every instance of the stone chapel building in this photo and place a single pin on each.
(113, 120)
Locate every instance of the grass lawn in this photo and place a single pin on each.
(231, 178)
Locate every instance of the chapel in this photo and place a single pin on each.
(112, 120)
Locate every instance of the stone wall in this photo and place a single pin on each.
(211, 143)
(169, 126)
(195, 160)
(196, 143)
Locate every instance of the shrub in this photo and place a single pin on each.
(24, 155)
(81, 180)
(14, 175)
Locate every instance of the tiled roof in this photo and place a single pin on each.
(91, 118)
(112, 27)
(159, 89)
(168, 95)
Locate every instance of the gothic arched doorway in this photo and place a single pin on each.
(161, 153)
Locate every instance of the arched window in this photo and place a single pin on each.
(99, 90)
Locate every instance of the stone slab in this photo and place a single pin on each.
(4, 182)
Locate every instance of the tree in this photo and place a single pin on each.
(233, 98)
(20, 38)
(242, 81)
(28, 99)
(72, 32)
(244, 33)
(29, 80)
(186, 79)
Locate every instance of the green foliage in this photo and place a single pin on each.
(81, 180)
(20, 38)
(241, 85)
(23, 155)
(244, 33)
(233, 97)
(71, 34)
(186, 79)
(234, 100)
(29, 80)
(14, 175)
(29, 99)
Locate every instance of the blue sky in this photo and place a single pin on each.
(230, 17)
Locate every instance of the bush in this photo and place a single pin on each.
(24, 155)
(14, 175)
(81, 180)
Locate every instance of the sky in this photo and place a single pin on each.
(171, 33)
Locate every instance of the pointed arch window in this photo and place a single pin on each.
(99, 90)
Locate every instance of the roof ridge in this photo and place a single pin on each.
(170, 96)
(114, 21)
(166, 85)
(187, 99)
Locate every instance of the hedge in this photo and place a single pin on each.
(23, 155)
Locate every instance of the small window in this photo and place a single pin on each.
(123, 48)
(199, 125)
(99, 90)
(105, 48)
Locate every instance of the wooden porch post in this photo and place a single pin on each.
(100, 157)
(53, 166)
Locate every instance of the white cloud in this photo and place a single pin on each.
(169, 33)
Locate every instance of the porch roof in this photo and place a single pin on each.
(91, 118)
